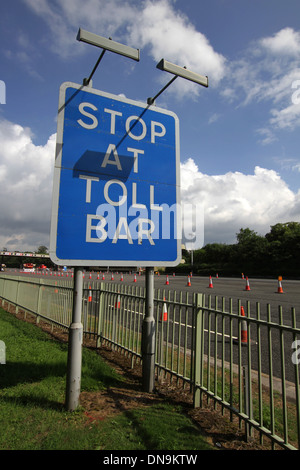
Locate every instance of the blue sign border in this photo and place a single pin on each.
(163, 177)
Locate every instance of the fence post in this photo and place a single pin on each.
(100, 316)
(39, 300)
(246, 401)
(17, 295)
(198, 349)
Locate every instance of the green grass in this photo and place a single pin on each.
(32, 394)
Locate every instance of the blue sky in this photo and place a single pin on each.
(239, 138)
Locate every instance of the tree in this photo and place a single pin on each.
(276, 253)
(281, 232)
(42, 250)
(284, 248)
(252, 252)
(245, 236)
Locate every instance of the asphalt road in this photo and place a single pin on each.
(264, 291)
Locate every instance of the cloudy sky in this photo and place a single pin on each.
(239, 138)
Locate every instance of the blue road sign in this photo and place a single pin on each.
(116, 182)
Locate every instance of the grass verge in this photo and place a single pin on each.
(32, 394)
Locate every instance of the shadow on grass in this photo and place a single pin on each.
(34, 401)
(14, 373)
(158, 424)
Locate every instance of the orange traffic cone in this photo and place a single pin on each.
(90, 294)
(167, 280)
(280, 290)
(103, 277)
(118, 302)
(244, 334)
(112, 276)
(247, 284)
(164, 314)
(189, 282)
(210, 283)
(121, 277)
(134, 280)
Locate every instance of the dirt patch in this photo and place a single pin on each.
(218, 429)
(114, 400)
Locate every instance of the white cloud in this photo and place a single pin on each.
(152, 26)
(64, 17)
(266, 74)
(235, 200)
(288, 117)
(213, 118)
(169, 34)
(25, 187)
(286, 41)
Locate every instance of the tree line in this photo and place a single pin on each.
(275, 254)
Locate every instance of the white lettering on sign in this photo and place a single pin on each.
(122, 232)
(113, 119)
(89, 115)
(134, 202)
(136, 153)
(97, 227)
(126, 235)
(111, 149)
(153, 206)
(135, 126)
(121, 199)
(89, 180)
(159, 134)
(102, 236)
(128, 128)
(146, 231)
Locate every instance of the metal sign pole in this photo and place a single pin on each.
(75, 345)
(148, 335)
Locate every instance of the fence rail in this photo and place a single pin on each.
(246, 364)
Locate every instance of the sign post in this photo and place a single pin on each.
(116, 192)
(148, 335)
(75, 345)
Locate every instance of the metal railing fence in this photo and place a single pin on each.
(243, 364)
